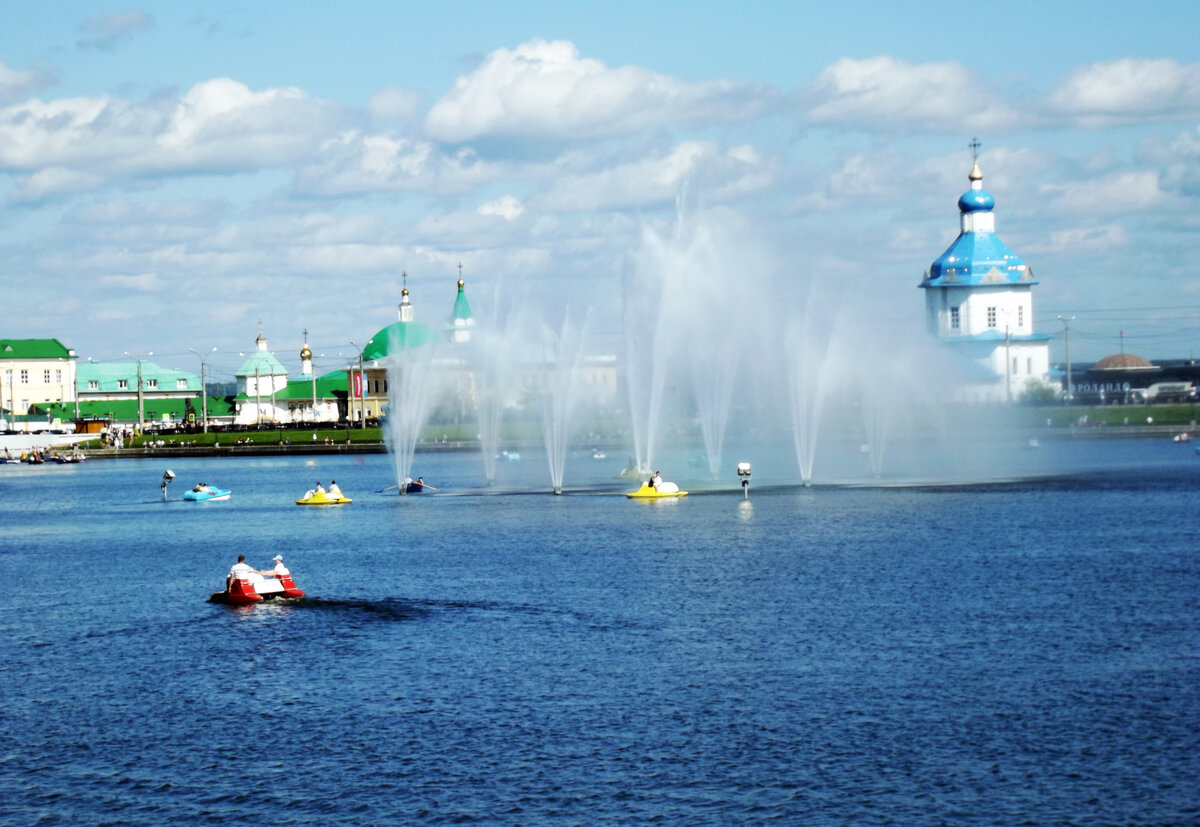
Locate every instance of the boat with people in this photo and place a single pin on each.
(255, 588)
(323, 498)
(668, 490)
(656, 488)
(203, 492)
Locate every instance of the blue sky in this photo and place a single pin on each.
(172, 173)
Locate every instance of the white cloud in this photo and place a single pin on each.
(218, 125)
(355, 163)
(16, 84)
(106, 31)
(546, 90)
(395, 103)
(718, 175)
(46, 183)
(1126, 91)
(1092, 239)
(1115, 193)
(146, 283)
(1179, 160)
(508, 208)
(882, 93)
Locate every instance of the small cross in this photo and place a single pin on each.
(460, 269)
(404, 275)
(974, 145)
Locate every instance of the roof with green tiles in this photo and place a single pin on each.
(126, 410)
(329, 386)
(34, 349)
(108, 377)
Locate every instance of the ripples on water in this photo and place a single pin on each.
(1010, 654)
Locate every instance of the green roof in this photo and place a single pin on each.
(109, 375)
(399, 336)
(262, 363)
(34, 349)
(329, 386)
(462, 310)
(126, 410)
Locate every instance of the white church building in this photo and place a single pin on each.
(979, 301)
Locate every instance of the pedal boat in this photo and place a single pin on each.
(213, 494)
(245, 590)
(666, 491)
(323, 498)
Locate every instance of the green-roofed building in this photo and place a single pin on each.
(458, 327)
(405, 334)
(309, 398)
(260, 379)
(111, 391)
(33, 372)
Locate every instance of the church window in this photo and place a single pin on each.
(58, 377)
(122, 384)
(954, 320)
(24, 377)
(181, 384)
(1015, 369)
(991, 316)
(46, 377)
(1021, 316)
(1029, 366)
(152, 383)
(93, 384)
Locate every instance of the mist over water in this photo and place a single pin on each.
(725, 349)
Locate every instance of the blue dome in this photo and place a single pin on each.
(976, 200)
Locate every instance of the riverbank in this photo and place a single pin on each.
(303, 448)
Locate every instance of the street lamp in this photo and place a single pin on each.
(140, 395)
(362, 387)
(203, 386)
(1066, 320)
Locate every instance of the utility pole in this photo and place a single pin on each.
(1066, 320)
(141, 401)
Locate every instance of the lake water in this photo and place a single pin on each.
(1006, 653)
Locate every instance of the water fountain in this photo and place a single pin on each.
(416, 383)
(560, 394)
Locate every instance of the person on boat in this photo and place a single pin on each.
(656, 480)
(280, 569)
(239, 570)
(420, 482)
(320, 488)
(334, 491)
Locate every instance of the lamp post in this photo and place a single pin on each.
(140, 395)
(203, 387)
(362, 387)
(1066, 320)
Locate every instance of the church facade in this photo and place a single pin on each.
(979, 302)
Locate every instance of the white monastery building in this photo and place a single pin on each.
(979, 301)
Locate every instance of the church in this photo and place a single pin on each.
(979, 302)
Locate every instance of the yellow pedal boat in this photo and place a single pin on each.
(649, 492)
(322, 498)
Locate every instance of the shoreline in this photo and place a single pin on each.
(468, 446)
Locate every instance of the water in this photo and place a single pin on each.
(1001, 653)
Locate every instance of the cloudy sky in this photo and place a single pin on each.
(171, 173)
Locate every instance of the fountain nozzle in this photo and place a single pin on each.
(743, 472)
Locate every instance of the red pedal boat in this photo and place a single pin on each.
(252, 590)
